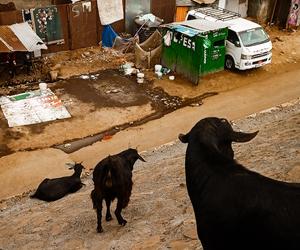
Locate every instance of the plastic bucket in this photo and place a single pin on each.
(140, 75)
(159, 74)
(140, 80)
(157, 68)
(43, 87)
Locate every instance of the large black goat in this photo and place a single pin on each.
(54, 189)
(235, 208)
(113, 179)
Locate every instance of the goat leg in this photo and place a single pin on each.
(108, 216)
(120, 219)
(99, 217)
(97, 203)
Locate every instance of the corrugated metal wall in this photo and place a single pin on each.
(63, 12)
(80, 25)
(164, 9)
(83, 24)
(10, 17)
(82, 28)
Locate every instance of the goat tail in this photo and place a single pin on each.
(108, 180)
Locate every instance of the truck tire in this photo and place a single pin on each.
(229, 63)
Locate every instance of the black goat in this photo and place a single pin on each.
(235, 208)
(54, 189)
(113, 179)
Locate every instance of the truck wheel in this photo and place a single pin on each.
(229, 63)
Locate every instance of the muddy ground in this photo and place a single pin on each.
(159, 215)
(109, 102)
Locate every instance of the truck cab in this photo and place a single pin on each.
(247, 45)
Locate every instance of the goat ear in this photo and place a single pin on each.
(70, 165)
(242, 137)
(183, 138)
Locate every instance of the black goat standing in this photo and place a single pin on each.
(236, 208)
(54, 189)
(113, 179)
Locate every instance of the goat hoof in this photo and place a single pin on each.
(100, 230)
(108, 218)
(123, 223)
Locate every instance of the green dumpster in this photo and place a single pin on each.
(194, 48)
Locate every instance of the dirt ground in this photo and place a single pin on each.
(159, 214)
(112, 102)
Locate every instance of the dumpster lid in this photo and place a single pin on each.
(194, 27)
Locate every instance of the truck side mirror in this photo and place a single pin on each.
(237, 43)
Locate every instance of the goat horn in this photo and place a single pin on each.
(242, 137)
(141, 158)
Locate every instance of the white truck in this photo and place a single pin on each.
(247, 45)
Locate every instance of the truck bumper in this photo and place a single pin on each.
(256, 63)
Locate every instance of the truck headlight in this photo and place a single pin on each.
(246, 57)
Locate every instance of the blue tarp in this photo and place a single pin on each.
(108, 36)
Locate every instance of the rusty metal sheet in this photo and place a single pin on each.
(63, 12)
(30, 40)
(11, 17)
(10, 40)
(3, 47)
(83, 24)
(164, 9)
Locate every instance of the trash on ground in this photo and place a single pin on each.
(157, 68)
(33, 107)
(107, 137)
(140, 77)
(128, 69)
(85, 77)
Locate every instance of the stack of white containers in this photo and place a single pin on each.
(158, 72)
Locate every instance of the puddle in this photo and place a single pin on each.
(105, 89)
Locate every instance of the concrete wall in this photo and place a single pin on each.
(27, 4)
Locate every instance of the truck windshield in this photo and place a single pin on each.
(253, 37)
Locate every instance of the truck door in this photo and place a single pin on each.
(233, 47)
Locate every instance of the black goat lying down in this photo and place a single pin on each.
(113, 179)
(54, 189)
(235, 208)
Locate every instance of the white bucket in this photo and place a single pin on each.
(157, 67)
(43, 87)
(140, 75)
(140, 80)
(159, 74)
